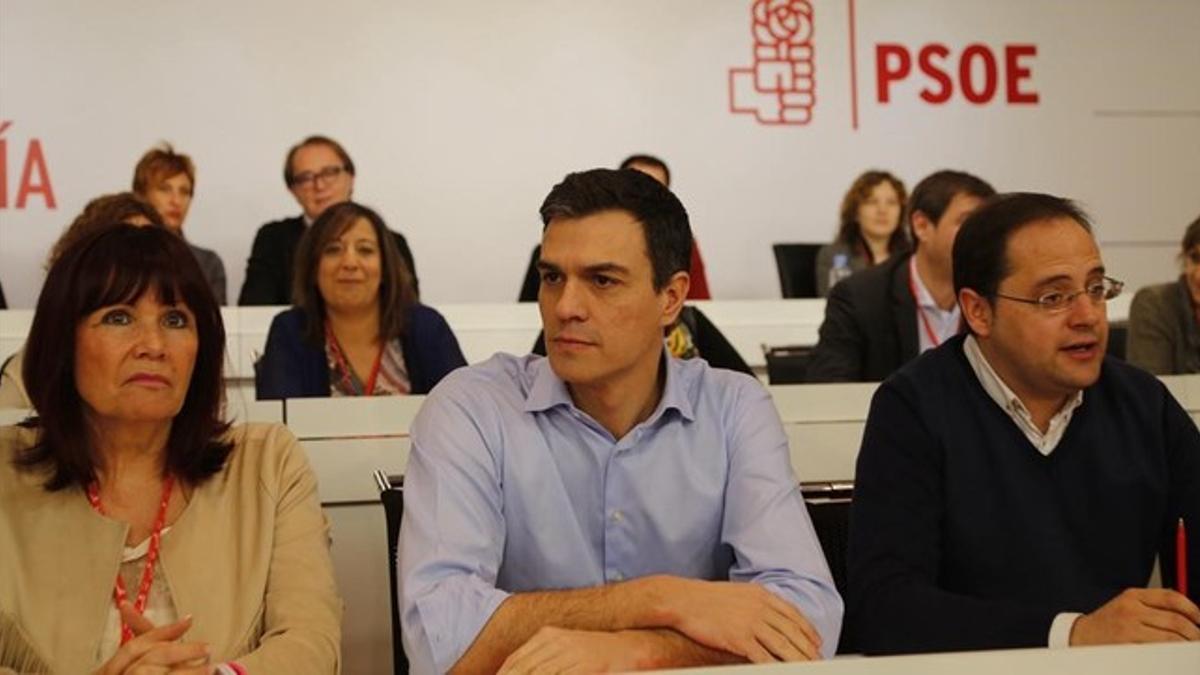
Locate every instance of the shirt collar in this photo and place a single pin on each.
(924, 297)
(548, 391)
(1004, 396)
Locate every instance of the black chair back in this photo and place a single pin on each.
(797, 266)
(787, 365)
(533, 279)
(391, 494)
(829, 508)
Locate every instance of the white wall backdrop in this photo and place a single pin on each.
(460, 116)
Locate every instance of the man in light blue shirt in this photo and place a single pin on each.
(607, 507)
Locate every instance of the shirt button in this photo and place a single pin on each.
(617, 516)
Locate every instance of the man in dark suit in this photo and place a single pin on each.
(319, 173)
(883, 317)
(3, 304)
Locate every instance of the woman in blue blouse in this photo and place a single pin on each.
(356, 328)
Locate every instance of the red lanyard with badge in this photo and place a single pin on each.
(119, 593)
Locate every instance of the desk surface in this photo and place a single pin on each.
(1163, 659)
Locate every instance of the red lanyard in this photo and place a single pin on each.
(119, 593)
(369, 386)
(912, 287)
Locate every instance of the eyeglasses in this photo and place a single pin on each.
(308, 179)
(1098, 291)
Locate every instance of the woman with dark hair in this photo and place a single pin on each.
(869, 232)
(357, 328)
(139, 532)
(1164, 320)
(102, 213)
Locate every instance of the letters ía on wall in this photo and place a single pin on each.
(34, 178)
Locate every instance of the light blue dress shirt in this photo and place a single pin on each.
(510, 488)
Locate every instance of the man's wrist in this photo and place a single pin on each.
(1062, 630)
(656, 601)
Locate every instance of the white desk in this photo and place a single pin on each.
(1160, 659)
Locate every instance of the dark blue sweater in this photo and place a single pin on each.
(964, 536)
(292, 368)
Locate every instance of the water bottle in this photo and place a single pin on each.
(840, 270)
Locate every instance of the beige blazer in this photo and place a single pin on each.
(248, 558)
(12, 388)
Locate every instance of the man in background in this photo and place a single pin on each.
(319, 173)
(883, 317)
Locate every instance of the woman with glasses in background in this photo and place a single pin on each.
(1164, 320)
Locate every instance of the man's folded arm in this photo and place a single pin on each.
(767, 523)
(637, 605)
(451, 547)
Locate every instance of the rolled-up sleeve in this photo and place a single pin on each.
(452, 535)
(766, 522)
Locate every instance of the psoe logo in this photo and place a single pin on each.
(780, 88)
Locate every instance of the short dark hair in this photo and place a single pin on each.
(316, 139)
(396, 293)
(647, 160)
(1191, 237)
(981, 247)
(101, 213)
(664, 220)
(117, 265)
(850, 230)
(935, 192)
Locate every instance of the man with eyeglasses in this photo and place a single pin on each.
(1015, 485)
(319, 173)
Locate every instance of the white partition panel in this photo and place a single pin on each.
(824, 425)
(346, 439)
(360, 565)
(14, 326)
(484, 329)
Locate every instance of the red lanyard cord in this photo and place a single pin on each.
(912, 288)
(119, 592)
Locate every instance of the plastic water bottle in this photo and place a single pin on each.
(840, 270)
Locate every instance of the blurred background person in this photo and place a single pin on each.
(319, 173)
(869, 231)
(101, 213)
(657, 169)
(139, 531)
(1164, 320)
(167, 179)
(357, 328)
